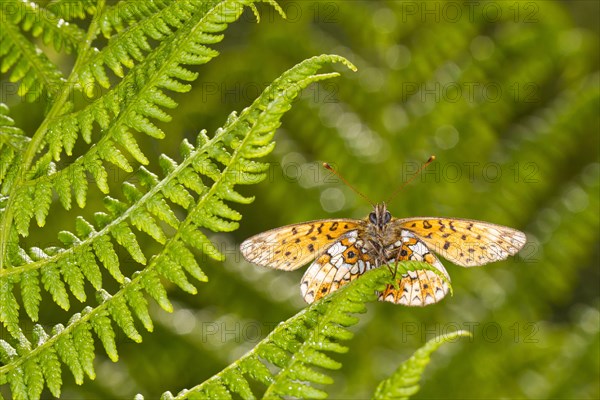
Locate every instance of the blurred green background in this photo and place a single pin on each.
(505, 94)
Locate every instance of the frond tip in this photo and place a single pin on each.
(404, 382)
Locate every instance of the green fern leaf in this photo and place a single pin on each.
(404, 382)
(12, 144)
(152, 286)
(95, 167)
(144, 222)
(34, 379)
(103, 328)
(68, 353)
(24, 211)
(173, 272)
(54, 285)
(109, 152)
(193, 237)
(51, 369)
(255, 369)
(41, 202)
(73, 277)
(84, 344)
(182, 256)
(236, 383)
(62, 186)
(139, 306)
(106, 254)
(80, 185)
(18, 387)
(122, 316)
(303, 343)
(32, 18)
(69, 10)
(31, 293)
(29, 64)
(9, 308)
(89, 267)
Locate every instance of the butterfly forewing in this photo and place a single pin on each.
(292, 246)
(464, 242)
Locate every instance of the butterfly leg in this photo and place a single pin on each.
(393, 271)
(398, 257)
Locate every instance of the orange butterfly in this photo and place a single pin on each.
(344, 249)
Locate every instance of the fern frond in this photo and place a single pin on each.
(404, 382)
(226, 160)
(300, 344)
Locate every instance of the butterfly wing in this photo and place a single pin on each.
(415, 288)
(345, 260)
(292, 246)
(464, 242)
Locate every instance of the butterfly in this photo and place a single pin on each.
(344, 249)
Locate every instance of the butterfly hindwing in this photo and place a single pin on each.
(420, 287)
(464, 242)
(342, 262)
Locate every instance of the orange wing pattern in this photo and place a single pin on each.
(416, 288)
(344, 249)
(464, 242)
(342, 262)
(292, 246)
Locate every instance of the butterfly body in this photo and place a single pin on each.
(344, 249)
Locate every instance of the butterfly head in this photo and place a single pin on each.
(380, 216)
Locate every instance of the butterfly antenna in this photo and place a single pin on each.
(431, 159)
(329, 167)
